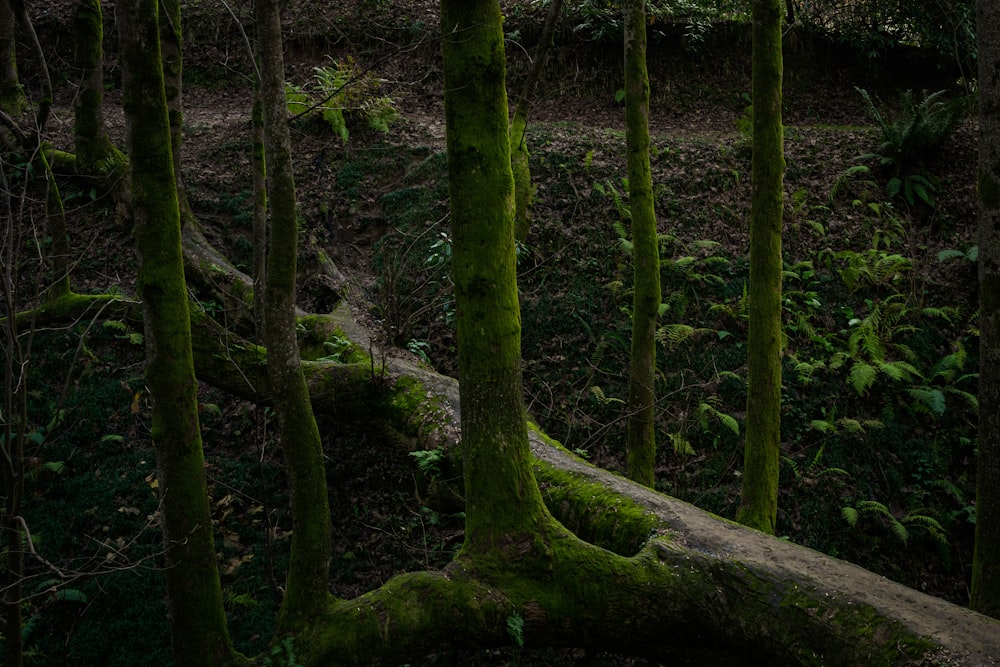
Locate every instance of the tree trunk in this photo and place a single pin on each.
(95, 154)
(27, 35)
(198, 623)
(259, 215)
(986, 558)
(309, 564)
(503, 505)
(171, 49)
(523, 193)
(12, 98)
(759, 500)
(55, 214)
(645, 251)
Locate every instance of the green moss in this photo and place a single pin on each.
(855, 620)
(595, 513)
(320, 339)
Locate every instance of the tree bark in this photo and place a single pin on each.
(95, 154)
(44, 104)
(12, 98)
(645, 252)
(307, 593)
(986, 557)
(503, 506)
(171, 50)
(198, 624)
(55, 214)
(523, 191)
(759, 500)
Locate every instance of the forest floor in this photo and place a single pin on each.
(376, 204)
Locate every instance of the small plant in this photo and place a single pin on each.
(338, 91)
(515, 628)
(282, 655)
(899, 527)
(911, 135)
(429, 461)
(421, 348)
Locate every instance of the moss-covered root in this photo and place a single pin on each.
(563, 592)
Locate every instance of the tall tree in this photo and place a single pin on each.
(501, 495)
(12, 99)
(307, 592)
(645, 251)
(95, 154)
(519, 128)
(759, 500)
(986, 556)
(197, 616)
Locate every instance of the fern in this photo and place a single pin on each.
(680, 444)
(862, 376)
(707, 410)
(675, 335)
(928, 400)
(900, 371)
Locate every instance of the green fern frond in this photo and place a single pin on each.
(928, 399)
(850, 516)
(851, 425)
(899, 371)
(680, 444)
(862, 376)
(676, 335)
(931, 525)
(822, 426)
(971, 399)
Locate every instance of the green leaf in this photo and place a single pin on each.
(681, 445)
(822, 426)
(728, 421)
(862, 376)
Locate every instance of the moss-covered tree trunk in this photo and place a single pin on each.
(502, 499)
(523, 191)
(645, 252)
(55, 215)
(27, 35)
(259, 213)
(171, 48)
(13, 431)
(986, 559)
(198, 624)
(759, 499)
(307, 591)
(95, 154)
(12, 98)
